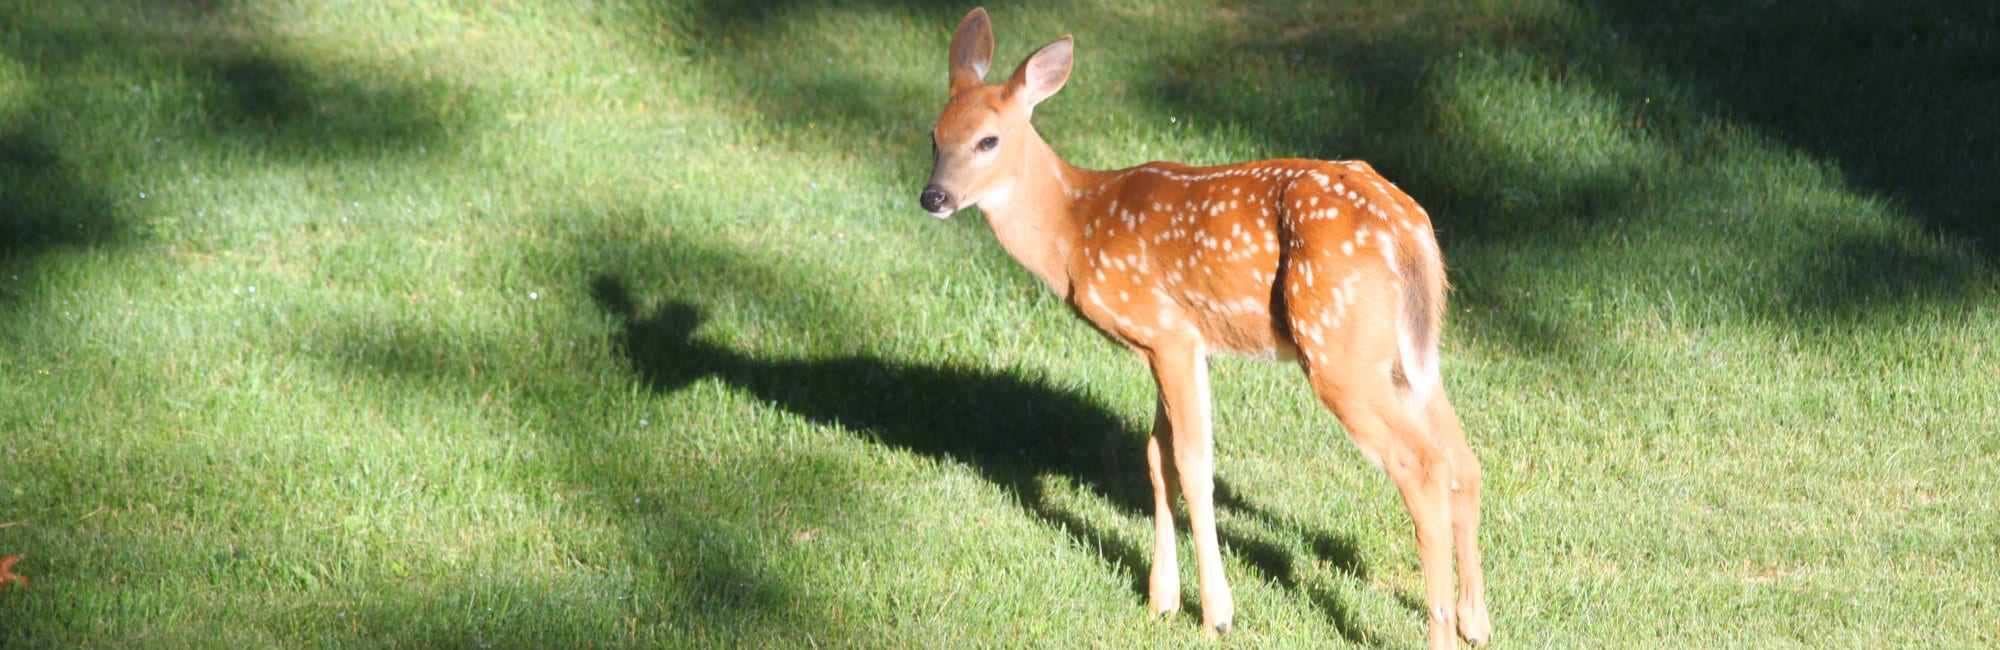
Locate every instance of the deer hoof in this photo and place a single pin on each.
(1473, 626)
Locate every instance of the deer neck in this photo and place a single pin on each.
(1034, 215)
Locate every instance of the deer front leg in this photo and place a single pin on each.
(1182, 375)
(1163, 585)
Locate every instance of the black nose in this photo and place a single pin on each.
(934, 199)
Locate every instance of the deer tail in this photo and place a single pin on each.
(1421, 318)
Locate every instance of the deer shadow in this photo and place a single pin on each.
(1015, 432)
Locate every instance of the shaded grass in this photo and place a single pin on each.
(1896, 99)
(612, 324)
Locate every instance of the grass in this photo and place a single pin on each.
(615, 324)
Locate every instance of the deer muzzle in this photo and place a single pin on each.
(936, 201)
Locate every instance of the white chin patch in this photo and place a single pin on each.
(941, 214)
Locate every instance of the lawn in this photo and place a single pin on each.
(616, 323)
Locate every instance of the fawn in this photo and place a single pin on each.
(1324, 263)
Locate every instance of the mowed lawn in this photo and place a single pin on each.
(616, 323)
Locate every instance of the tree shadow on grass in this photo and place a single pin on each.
(196, 79)
(1017, 433)
(44, 203)
(1904, 98)
(286, 106)
(220, 81)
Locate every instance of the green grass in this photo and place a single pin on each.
(615, 323)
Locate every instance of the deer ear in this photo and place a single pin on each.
(971, 51)
(1043, 73)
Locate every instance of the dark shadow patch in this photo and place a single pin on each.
(275, 103)
(44, 203)
(1862, 277)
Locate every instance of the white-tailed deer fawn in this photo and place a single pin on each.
(1323, 262)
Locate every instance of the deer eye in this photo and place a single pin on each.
(989, 142)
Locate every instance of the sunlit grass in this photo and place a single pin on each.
(615, 324)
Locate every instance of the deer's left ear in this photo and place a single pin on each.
(1043, 73)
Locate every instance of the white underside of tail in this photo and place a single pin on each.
(1419, 361)
(1416, 338)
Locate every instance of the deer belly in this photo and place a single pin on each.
(1243, 327)
(1143, 315)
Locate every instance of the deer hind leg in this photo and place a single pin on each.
(1473, 624)
(1348, 361)
(1181, 371)
(1377, 423)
